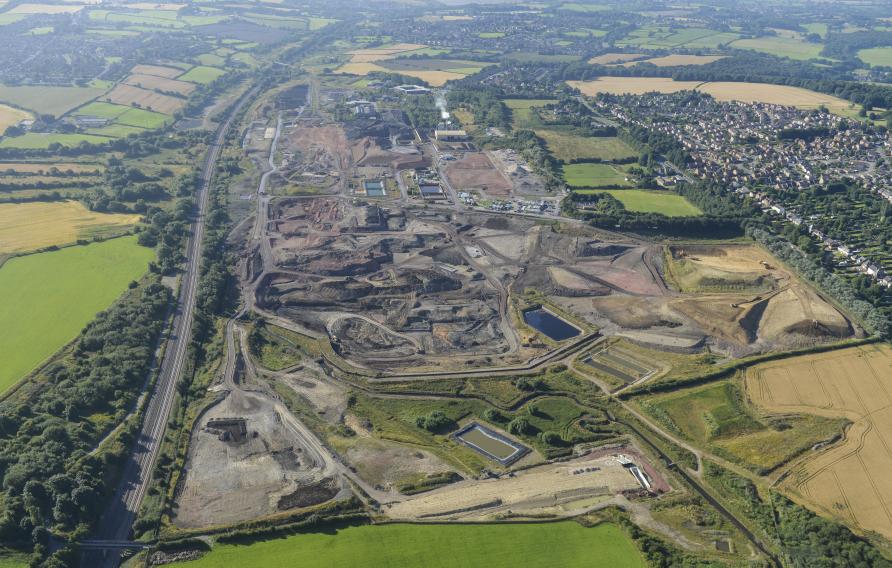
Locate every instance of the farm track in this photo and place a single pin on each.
(118, 519)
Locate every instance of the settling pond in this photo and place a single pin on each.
(554, 327)
(491, 444)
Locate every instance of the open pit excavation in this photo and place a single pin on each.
(397, 289)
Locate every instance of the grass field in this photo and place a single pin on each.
(644, 201)
(102, 110)
(49, 297)
(781, 46)
(564, 544)
(718, 417)
(876, 56)
(32, 226)
(36, 141)
(10, 116)
(522, 113)
(123, 115)
(142, 118)
(723, 91)
(595, 175)
(48, 100)
(568, 147)
(202, 75)
(848, 480)
(655, 37)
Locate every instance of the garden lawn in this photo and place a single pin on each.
(48, 298)
(643, 201)
(565, 544)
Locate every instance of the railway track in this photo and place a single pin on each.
(121, 513)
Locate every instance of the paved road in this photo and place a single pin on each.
(118, 519)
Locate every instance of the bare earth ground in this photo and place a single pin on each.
(475, 171)
(538, 489)
(228, 481)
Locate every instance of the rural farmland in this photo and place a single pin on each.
(49, 297)
(847, 479)
(568, 544)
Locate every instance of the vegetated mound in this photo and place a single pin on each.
(353, 334)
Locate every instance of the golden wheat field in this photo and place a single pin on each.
(849, 480)
(721, 90)
(31, 226)
(10, 116)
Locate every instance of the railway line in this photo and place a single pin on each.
(118, 520)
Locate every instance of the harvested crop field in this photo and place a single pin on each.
(379, 53)
(566, 544)
(157, 70)
(475, 171)
(722, 91)
(32, 226)
(10, 116)
(676, 59)
(155, 83)
(848, 480)
(632, 85)
(49, 297)
(613, 58)
(149, 100)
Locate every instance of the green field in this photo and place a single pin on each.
(521, 111)
(816, 28)
(565, 544)
(568, 147)
(876, 56)
(13, 559)
(644, 201)
(142, 118)
(48, 100)
(202, 75)
(35, 141)
(718, 417)
(491, 35)
(102, 110)
(49, 297)
(655, 37)
(595, 175)
(211, 59)
(781, 46)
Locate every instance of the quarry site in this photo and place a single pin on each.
(369, 310)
